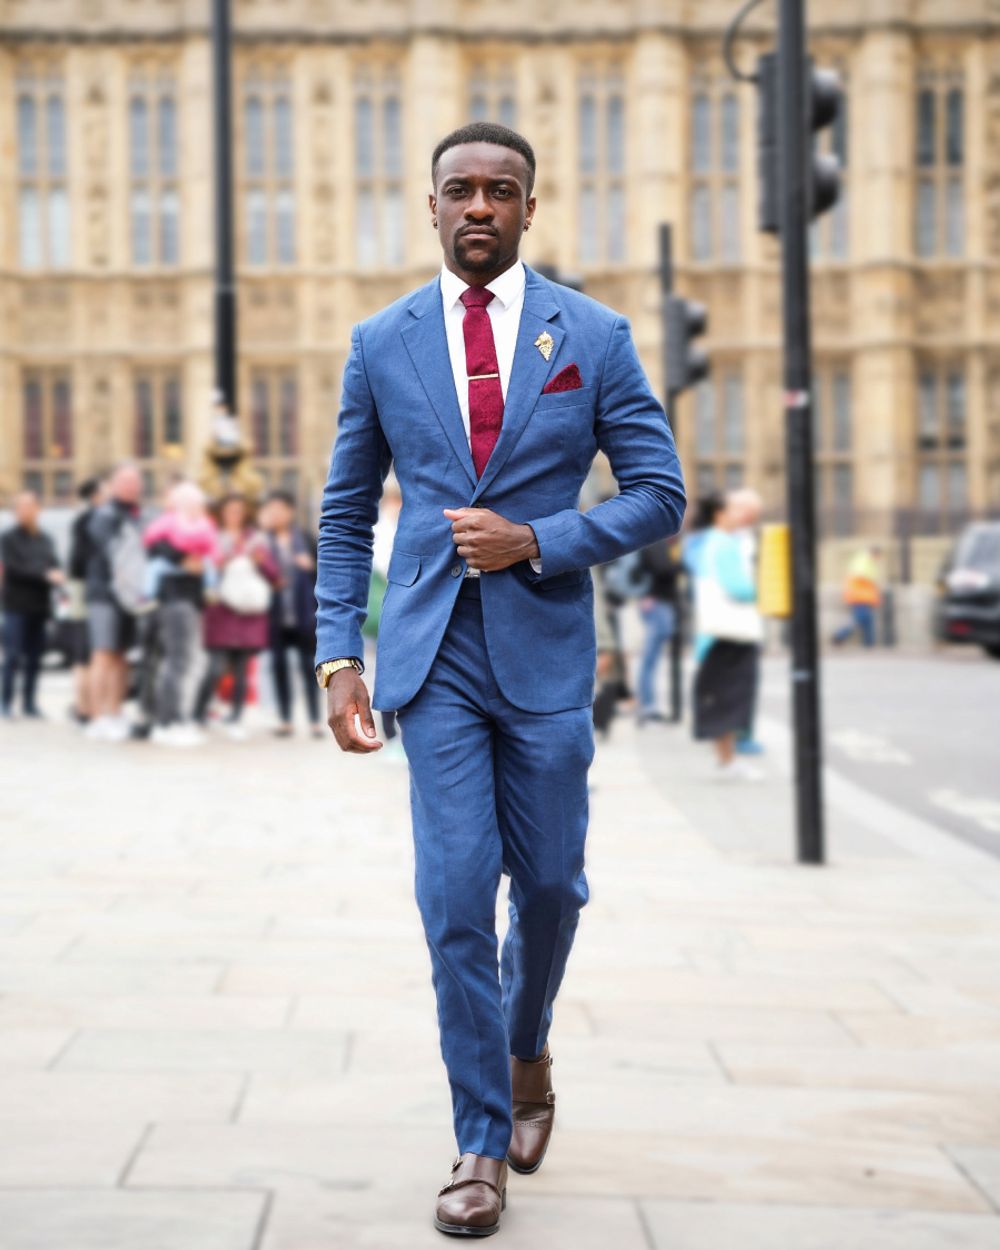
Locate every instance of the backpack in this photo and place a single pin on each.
(127, 558)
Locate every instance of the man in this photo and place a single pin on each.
(113, 593)
(658, 608)
(90, 496)
(30, 570)
(292, 624)
(489, 390)
(862, 596)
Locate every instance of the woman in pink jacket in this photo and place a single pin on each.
(236, 620)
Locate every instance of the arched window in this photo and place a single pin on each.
(379, 167)
(43, 194)
(153, 169)
(601, 162)
(268, 192)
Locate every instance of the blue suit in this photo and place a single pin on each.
(493, 679)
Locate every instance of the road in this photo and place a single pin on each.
(922, 732)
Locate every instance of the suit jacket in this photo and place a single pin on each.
(399, 408)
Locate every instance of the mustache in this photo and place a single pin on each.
(476, 230)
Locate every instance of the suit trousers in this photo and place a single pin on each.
(493, 789)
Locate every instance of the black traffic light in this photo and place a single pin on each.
(687, 362)
(822, 96)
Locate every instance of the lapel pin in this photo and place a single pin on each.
(545, 344)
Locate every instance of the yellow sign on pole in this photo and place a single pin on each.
(774, 573)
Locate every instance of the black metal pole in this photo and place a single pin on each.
(666, 270)
(225, 286)
(796, 168)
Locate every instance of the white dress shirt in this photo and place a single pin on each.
(504, 311)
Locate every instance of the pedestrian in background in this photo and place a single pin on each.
(114, 593)
(180, 543)
(30, 571)
(862, 596)
(236, 620)
(292, 624)
(658, 610)
(729, 633)
(78, 633)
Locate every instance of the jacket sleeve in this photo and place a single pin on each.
(358, 468)
(633, 433)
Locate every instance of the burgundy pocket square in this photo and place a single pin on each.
(567, 379)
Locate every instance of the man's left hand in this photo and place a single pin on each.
(488, 541)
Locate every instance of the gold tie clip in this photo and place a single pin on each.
(474, 377)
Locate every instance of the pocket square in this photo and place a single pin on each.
(567, 379)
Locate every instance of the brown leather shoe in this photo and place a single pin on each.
(470, 1204)
(534, 1111)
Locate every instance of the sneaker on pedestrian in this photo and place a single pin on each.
(235, 732)
(737, 770)
(177, 735)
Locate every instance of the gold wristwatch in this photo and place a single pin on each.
(327, 669)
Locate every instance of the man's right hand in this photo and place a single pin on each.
(347, 698)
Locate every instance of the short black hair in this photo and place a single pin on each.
(281, 496)
(88, 489)
(487, 132)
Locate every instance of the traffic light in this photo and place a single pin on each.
(687, 362)
(822, 96)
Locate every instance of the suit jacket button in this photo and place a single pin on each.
(456, 570)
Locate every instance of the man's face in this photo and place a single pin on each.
(127, 485)
(26, 510)
(481, 207)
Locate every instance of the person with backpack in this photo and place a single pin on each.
(236, 621)
(114, 595)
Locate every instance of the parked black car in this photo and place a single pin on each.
(969, 606)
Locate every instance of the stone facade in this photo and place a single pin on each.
(884, 315)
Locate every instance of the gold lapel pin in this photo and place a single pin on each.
(545, 343)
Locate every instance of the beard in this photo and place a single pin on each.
(484, 260)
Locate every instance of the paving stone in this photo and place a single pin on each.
(96, 1096)
(733, 1226)
(212, 1050)
(30, 1047)
(74, 1153)
(982, 1164)
(975, 1069)
(119, 1220)
(167, 1011)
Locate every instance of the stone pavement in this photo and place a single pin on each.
(216, 1023)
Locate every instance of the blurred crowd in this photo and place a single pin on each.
(171, 615)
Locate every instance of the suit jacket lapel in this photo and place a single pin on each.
(427, 344)
(529, 374)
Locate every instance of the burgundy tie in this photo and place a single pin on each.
(485, 392)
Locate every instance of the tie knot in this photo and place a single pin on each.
(476, 296)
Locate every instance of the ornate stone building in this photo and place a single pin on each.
(106, 242)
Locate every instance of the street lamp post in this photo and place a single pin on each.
(796, 183)
(225, 285)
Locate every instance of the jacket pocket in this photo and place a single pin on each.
(404, 568)
(565, 399)
(572, 577)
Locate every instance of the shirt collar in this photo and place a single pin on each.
(507, 288)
